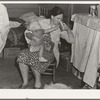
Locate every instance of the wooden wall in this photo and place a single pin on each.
(16, 10)
(19, 9)
(70, 9)
(81, 8)
(65, 7)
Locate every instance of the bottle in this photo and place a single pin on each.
(93, 10)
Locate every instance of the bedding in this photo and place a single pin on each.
(17, 29)
(14, 24)
(29, 16)
(16, 33)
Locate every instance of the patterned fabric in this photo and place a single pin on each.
(31, 58)
(16, 37)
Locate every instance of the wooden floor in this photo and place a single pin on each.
(10, 76)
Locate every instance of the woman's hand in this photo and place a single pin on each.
(66, 27)
(61, 26)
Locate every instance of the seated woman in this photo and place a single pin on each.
(28, 59)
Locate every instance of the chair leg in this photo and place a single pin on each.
(54, 74)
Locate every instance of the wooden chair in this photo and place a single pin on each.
(51, 70)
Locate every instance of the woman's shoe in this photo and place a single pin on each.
(23, 86)
(86, 87)
(37, 87)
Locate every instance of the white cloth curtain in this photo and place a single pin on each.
(85, 52)
(4, 26)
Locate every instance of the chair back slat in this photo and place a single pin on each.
(43, 11)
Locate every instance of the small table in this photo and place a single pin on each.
(67, 57)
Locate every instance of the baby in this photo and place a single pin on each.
(36, 42)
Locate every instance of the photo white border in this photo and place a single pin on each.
(52, 93)
(49, 94)
(52, 2)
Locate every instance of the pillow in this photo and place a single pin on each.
(34, 24)
(14, 24)
(28, 16)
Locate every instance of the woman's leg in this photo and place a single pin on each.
(24, 72)
(37, 78)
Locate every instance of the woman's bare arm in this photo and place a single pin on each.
(51, 29)
(68, 35)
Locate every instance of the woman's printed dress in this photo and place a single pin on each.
(32, 58)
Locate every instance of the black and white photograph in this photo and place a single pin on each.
(49, 46)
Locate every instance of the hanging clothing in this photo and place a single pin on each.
(4, 26)
(86, 48)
